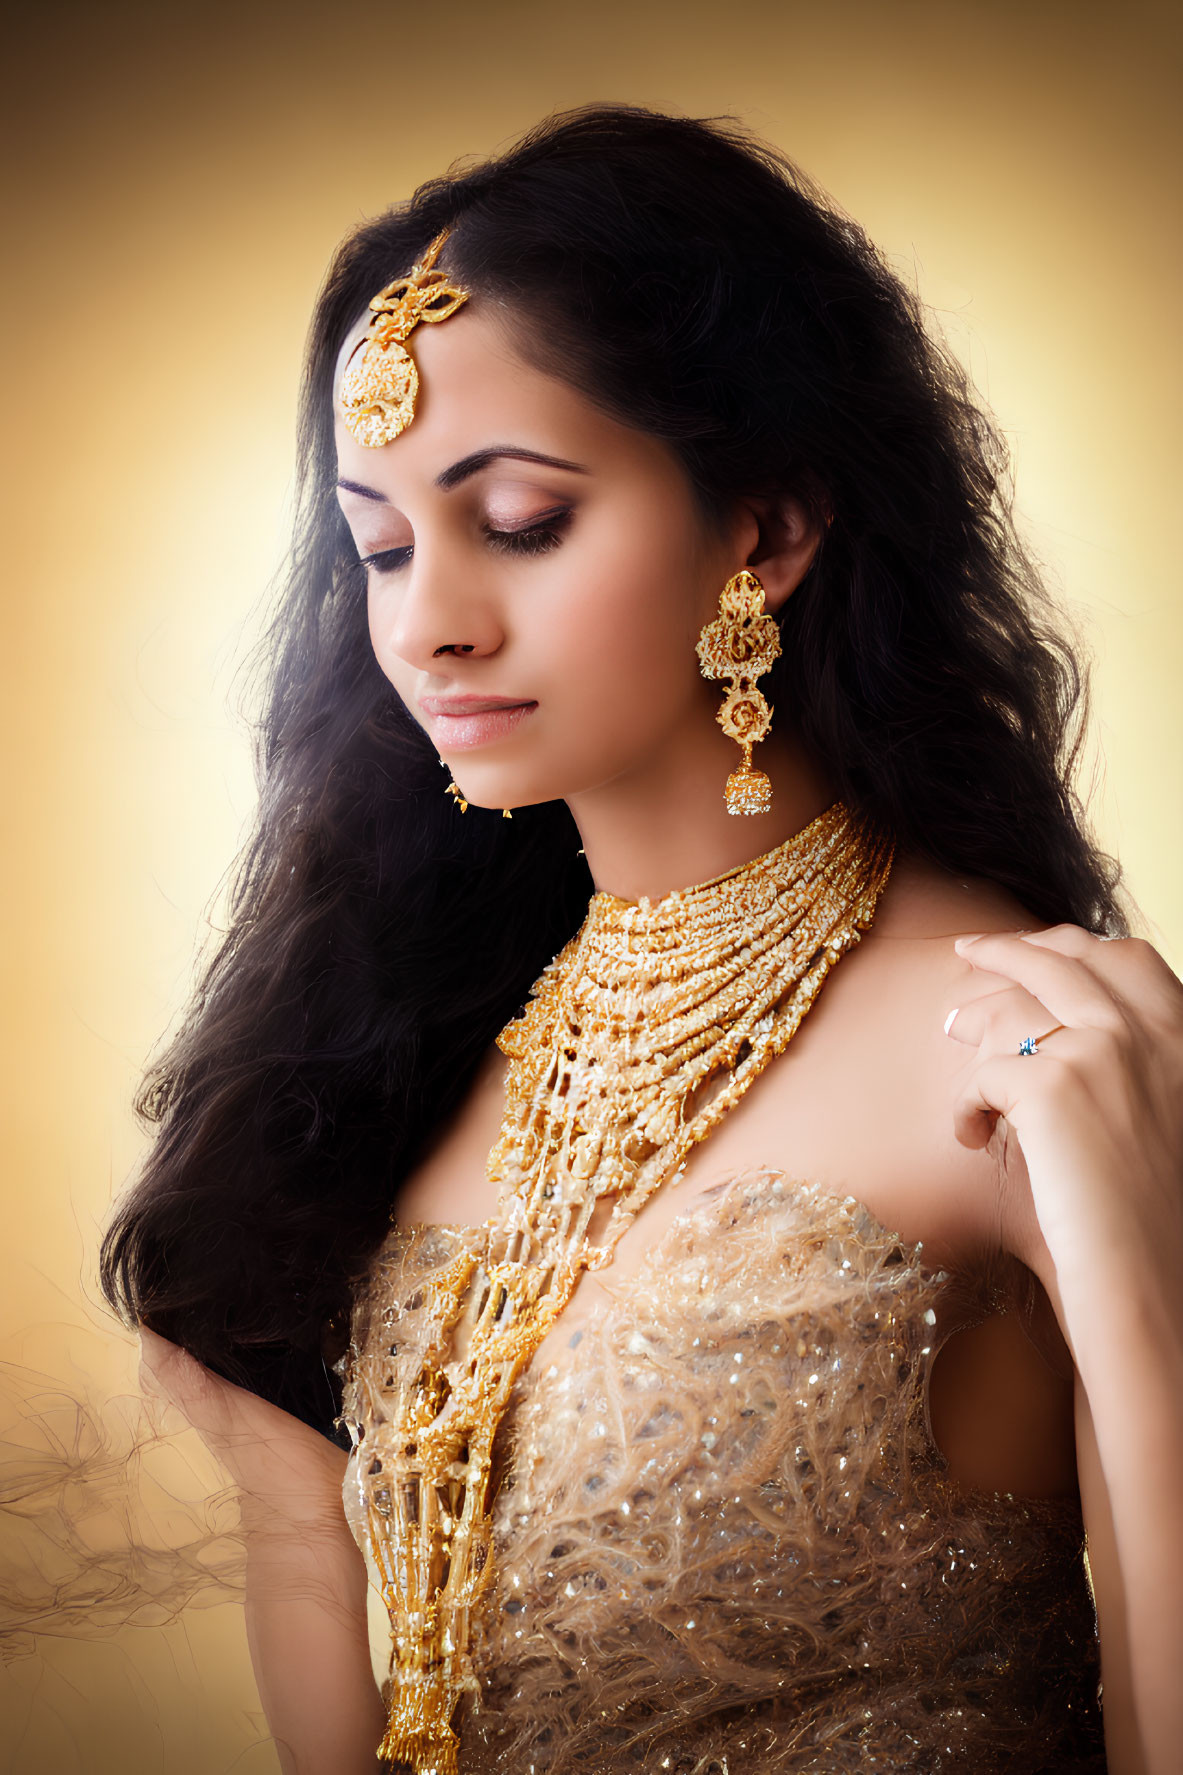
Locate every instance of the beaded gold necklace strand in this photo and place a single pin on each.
(636, 1041)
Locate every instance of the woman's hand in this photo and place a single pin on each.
(1092, 1201)
(1097, 1111)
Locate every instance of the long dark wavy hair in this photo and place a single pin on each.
(691, 282)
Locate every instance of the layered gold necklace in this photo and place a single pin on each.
(637, 1039)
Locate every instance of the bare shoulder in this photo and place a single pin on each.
(924, 902)
(867, 1095)
(907, 960)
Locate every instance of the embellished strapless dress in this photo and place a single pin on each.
(724, 1540)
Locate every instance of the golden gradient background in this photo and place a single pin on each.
(178, 177)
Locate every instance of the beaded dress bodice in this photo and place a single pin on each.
(724, 1542)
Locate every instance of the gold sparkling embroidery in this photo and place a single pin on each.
(855, 1610)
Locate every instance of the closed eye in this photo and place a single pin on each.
(386, 560)
(546, 532)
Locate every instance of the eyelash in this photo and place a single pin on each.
(537, 540)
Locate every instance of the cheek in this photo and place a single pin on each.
(373, 625)
(634, 608)
(622, 650)
(396, 670)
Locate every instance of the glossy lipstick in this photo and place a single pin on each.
(462, 723)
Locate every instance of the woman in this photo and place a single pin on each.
(611, 444)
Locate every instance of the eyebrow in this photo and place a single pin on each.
(469, 466)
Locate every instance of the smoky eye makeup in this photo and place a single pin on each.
(535, 535)
(530, 535)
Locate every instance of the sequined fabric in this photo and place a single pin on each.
(724, 1543)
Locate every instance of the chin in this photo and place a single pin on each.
(491, 787)
(494, 788)
(497, 799)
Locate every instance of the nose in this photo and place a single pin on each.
(431, 612)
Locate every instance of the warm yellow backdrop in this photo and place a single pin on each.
(179, 176)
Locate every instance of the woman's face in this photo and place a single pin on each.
(537, 574)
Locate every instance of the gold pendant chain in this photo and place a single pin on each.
(651, 1024)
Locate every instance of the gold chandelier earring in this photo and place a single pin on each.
(740, 644)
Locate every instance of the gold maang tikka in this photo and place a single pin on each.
(380, 382)
(741, 644)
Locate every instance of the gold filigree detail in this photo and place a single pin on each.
(380, 382)
(637, 1039)
(741, 644)
(744, 716)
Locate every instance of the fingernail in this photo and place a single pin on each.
(964, 942)
(950, 1017)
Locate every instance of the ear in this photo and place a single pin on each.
(787, 539)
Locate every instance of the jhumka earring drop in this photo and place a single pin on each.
(378, 389)
(741, 645)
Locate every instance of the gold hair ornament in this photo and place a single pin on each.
(378, 389)
(741, 644)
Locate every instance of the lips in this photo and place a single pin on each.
(461, 723)
(469, 705)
